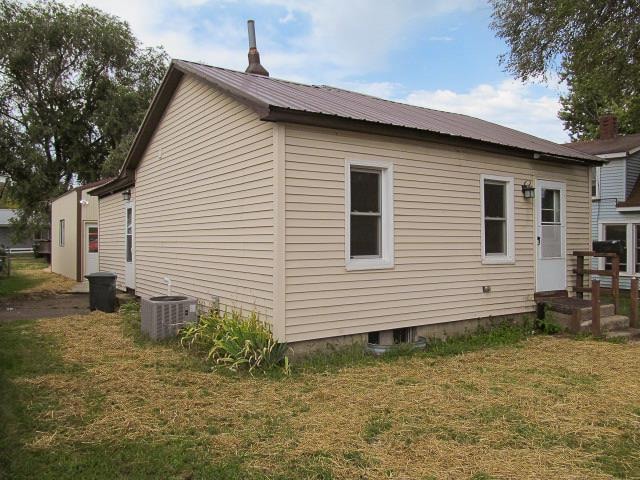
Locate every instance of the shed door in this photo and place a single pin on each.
(91, 245)
(129, 250)
(551, 265)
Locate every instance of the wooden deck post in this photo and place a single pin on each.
(595, 307)
(579, 276)
(615, 283)
(633, 307)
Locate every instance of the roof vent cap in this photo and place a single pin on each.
(254, 56)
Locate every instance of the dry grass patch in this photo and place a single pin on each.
(32, 277)
(547, 408)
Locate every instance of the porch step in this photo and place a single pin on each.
(567, 305)
(610, 323)
(628, 334)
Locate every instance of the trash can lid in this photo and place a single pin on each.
(101, 275)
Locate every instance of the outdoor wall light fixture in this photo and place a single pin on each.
(126, 195)
(527, 190)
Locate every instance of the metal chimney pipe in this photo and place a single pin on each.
(251, 26)
(254, 57)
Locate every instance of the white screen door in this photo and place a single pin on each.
(91, 246)
(129, 250)
(551, 251)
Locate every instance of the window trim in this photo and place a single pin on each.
(509, 257)
(386, 258)
(598, 185)
(630, 271)
(61, 232)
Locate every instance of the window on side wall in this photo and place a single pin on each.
(595, 183)
(369, 215)
(497, 219)
(61, 234)
(616, 232)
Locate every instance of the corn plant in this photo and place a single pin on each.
(236, 342)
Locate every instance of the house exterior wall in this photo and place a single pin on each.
(632, 171)
(64, 259)
(111, 236)
(617, 179)
(438, 274)
(204, 202)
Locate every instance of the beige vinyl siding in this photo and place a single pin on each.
(111, 231)
(204, 202)
(64, 260)
(90, 210)
(438, 274)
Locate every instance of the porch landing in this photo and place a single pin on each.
(575, 315)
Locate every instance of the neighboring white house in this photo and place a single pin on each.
(615, 193)
(74, 232)
(337, 214)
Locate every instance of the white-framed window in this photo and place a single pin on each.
(61, 233)
(368, 202)
(617, 231)
(595, 183)
(497, 211)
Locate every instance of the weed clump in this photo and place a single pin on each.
(236, 341)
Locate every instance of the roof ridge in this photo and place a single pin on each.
(255, 75)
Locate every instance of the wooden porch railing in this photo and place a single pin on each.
(614, 273)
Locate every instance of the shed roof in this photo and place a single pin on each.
(619, 144)
(281, 100)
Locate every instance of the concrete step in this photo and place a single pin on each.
(563, 316)
(607, 324)
(628, 334)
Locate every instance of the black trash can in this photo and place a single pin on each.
(102, 291)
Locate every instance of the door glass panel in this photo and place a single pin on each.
(550, 208)
(551, 241)
(129, 240)
(92, 235)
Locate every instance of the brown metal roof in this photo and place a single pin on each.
(269, 93)
(619, 144)
(280, 100)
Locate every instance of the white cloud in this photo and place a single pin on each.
(441, 39)
(344, 38)
(510, 103)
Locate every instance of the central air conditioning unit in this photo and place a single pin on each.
(163, 316)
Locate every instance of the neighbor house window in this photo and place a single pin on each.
(616, 232)
(369, 215)
(61, 234)
(595, 182)
(497, 219)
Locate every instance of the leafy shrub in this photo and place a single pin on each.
(236, 342)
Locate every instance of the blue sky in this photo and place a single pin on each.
(433, 53)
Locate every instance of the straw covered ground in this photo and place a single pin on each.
(31, 277)
(81, 398)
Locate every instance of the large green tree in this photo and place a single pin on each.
(594, 47)
(74, 85)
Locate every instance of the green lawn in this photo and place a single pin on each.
(81, 397)
(29, 275)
